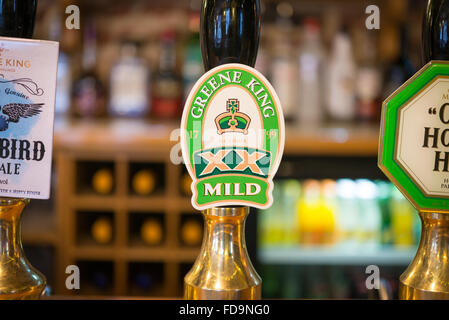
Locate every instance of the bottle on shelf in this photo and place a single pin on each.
(273, 220)
(341, 72)
(328, 211)
(311, 57)
(402, 219)
(129, 84)
(291, 192)
(167, 90)
(370, 213)
(269, 232)
(384, 195)
(64, 77)
(263, 57)
(103, 181)
(309, 213)
(64, 84)
(193, 64)
(88, 93)
(368, 93)
(368, 80)
(102, 230)
(284, 70)
(192, 232)
(401, 69)
(151, 232)
(347, 213)
(144, 182)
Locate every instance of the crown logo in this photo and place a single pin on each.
(232, 120)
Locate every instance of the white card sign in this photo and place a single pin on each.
(28, 71)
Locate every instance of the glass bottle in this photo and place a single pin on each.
(401, 69)
(347, 217)
(64, 84)
(341, 80)
(64, 77)
(284, 70)
(402, 214)
(193, 65)
(129, 84)
(167, 91)
(311, 59)
(88, 96)
(370, 213)
(19, 280)
(368, 79)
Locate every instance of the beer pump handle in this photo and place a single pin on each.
(229, 32)
(18, 18)
(435, 45)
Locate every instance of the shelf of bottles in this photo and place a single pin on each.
(320, 235)
(150, 57)
(338, 222)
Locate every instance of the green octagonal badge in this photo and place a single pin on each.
(414, 138)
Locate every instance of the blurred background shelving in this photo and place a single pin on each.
(120, 208)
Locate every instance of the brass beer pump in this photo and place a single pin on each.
(18, 279)
(223, 270)
(427, 277)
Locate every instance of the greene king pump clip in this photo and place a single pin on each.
(232, 137)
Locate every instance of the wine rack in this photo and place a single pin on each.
(144, 253)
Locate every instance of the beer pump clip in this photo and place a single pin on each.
(414, 155)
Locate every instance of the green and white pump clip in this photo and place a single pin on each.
(232, 137)
(414, 138)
